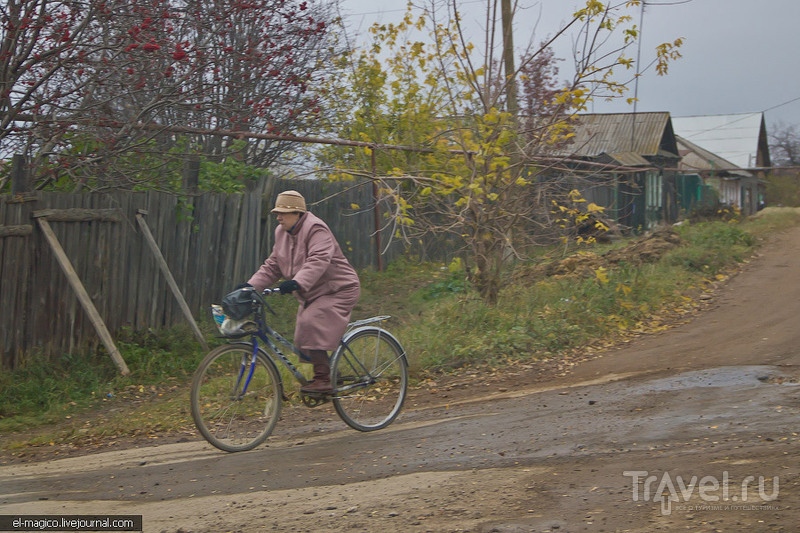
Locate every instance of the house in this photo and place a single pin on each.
(635, 159)
(716, 179)
(739, 140)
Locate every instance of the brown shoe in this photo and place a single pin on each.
(322, 373)
(318, 386)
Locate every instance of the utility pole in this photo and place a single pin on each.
(508, 58)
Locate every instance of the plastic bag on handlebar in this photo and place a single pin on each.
(240, 303)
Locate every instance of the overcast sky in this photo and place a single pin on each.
(739, 56)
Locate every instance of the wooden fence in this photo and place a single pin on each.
(209, 243)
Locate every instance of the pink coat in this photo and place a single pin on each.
(329, 285)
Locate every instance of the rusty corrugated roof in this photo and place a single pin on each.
(618, 133)
(630, 159)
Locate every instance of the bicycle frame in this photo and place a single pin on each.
(267, 334)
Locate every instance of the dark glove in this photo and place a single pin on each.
(242, 286)
(287, 287)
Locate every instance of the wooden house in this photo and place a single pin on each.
(630, 168)
(717, 179)
(736, 142)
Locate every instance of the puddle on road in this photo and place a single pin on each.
(726, 376)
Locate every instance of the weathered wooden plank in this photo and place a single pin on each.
(255, 255)
(248, 240)
(71, 322)
(146, 280)
(230, 243)
(210, 226)
(11, 253)
(180, 266)
(131, 267)
(58, 307)
(16, 231)
(6, 326)
(80, 215)
(176, 311)
(83, 296)
(194, 263)
(136, 277)
(12, 293)
(39, 283)
(22, 254)
(169, 310)
(117, 233)
(214, 227)
(158, 297)
(98, 267)
(165, 223)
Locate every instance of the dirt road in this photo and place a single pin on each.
(695, 428)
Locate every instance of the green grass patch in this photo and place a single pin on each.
(555, 316)
(40, 392)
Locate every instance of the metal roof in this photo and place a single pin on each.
(696, 158)
(618, 133)
(630, 159)
(732, 137)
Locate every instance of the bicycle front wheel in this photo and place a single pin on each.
(370, 373)
(236, 402)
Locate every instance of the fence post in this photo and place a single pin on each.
(191, 174)
(19, 175)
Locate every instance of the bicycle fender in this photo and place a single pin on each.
(350, 334)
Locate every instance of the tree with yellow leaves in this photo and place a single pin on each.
(482, 169)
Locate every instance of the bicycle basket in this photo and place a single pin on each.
(239, 304)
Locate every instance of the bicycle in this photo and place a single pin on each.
(237, 390)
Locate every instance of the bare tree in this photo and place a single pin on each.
(784, 145)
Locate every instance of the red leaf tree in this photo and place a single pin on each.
(86, 84)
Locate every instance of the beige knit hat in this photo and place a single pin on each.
(290, 202)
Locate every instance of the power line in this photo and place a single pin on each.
(668, 3)
(781, 105)
(743, 116)
(384, 11)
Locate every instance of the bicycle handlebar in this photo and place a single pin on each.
(271, 291)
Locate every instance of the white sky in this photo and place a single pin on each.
(739, 56)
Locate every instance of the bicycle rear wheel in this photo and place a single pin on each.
(232, 412)
(370, 372)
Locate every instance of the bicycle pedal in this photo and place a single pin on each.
(314, 399)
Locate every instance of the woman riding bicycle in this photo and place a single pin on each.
(308, 257)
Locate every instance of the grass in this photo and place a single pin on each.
(442, 323)
(37, 394)
(555, 316)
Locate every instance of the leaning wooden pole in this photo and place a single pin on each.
(173, 285)
(83, 296)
